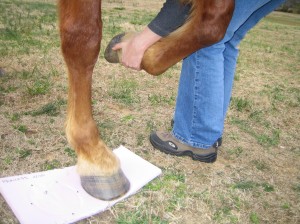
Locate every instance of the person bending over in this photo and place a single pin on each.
(206, 78)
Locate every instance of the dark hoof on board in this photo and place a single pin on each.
(106, 187)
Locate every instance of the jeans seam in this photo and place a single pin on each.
(196, 96)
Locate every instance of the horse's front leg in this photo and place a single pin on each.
(98, 167)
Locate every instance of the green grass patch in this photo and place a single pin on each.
(39, 87)
(138, 217)
(271, 137)
(119, 8)
(50, 165)
(254, 218)
(124, 91)
(24, 24)
(283, 19)
(128, 118)
(8, 160)
(269, 140)
(158, 99)
(245, 185)
(22, 128)
(155, 185)
(260, 165)
(172, 183)
(140, 139)
(286, 205)
(296, 188)
(225, 213)
(141, 18)
(267, 187)
(251, 185)
(237, 151)
(8, 89)
(241, 104)
(23, 153)
(50, 109)
(174, 187)
(15, 117)
(70, 152)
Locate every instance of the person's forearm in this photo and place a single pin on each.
(146, 38)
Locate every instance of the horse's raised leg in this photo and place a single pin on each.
(206, 25)
(98, 167)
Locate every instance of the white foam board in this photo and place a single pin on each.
(56, 196)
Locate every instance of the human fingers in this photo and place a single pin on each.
(118, 46)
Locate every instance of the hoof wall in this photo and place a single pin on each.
(106, 187)
(111, 55)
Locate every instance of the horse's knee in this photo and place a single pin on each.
(80, 35)
(80, 41)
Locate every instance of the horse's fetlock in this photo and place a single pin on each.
(84, 135)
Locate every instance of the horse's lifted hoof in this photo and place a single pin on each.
(111, 55)
(115, 56)
(106, 187)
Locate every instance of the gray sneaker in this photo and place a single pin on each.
(167, 143)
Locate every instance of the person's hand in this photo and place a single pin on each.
(134, 48)
(132, 52)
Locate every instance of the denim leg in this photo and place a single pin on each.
(199, 106)
(207, 76)
(230, 59)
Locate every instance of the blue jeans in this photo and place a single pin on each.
(207, 77)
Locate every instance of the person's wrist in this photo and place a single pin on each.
(141, 43)
(146, 38)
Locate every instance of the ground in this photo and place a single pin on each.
(256, 178)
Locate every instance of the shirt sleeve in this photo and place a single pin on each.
(171, 16)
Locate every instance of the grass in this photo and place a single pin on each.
(254, 218)
(50, 109)
(50, 165)
(23, 153)
(240, 104)
(22, 128)
(269, 136)
(24, 28)
(124, 91)
(256, 176)
(156, 99)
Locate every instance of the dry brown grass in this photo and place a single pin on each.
(256, 177)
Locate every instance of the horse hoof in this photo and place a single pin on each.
(115, 56)
(110, 55)
(106, 187)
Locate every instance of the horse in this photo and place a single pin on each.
(80, 28)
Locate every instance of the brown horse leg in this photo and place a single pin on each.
(98, 167)
(206, 25)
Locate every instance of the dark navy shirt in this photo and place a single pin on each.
(171, 16)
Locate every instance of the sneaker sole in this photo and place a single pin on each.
(209, 158)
